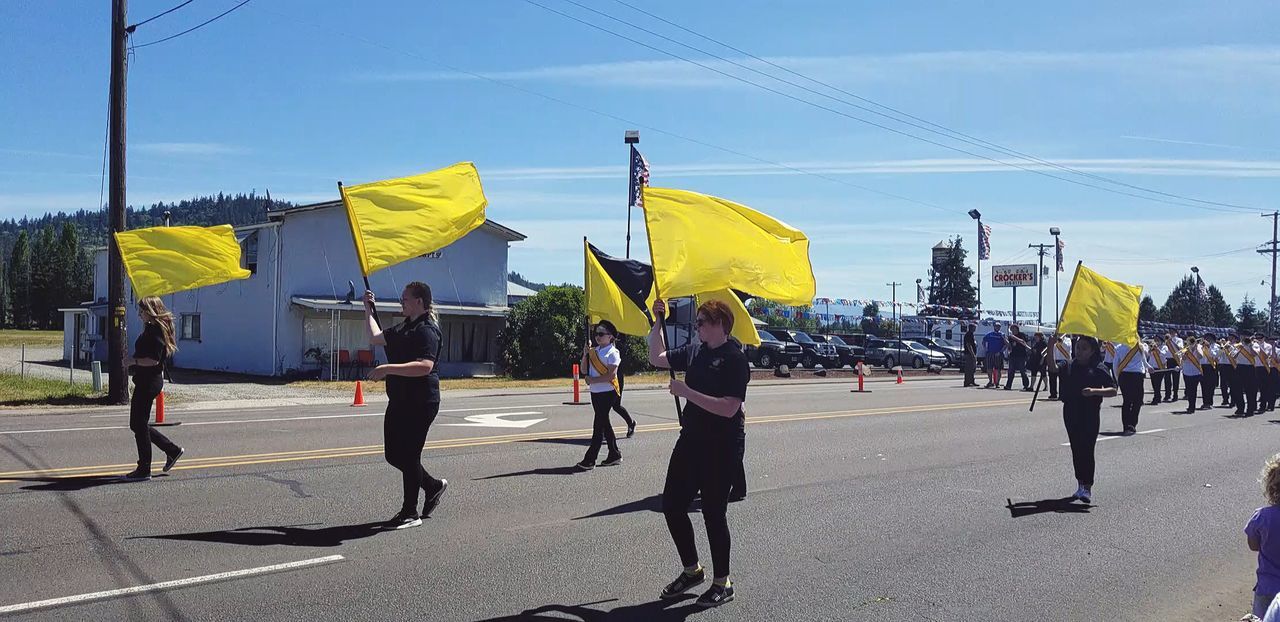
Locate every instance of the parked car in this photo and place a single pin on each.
(771, 352)
(812, 352)
(894, 352)
(849, 354)
(855, 339)
(954, 355)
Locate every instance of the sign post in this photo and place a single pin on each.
(1015, 276)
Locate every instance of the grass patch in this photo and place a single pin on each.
(17, 391)
(500, 382)
(33, 338)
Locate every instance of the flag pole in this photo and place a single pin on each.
(660, 317)
(1048, 353)
(373, 309)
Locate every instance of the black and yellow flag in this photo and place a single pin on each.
(618, 290)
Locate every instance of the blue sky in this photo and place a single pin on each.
(1180, 97)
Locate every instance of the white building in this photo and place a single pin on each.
(294, 316)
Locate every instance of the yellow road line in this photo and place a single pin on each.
(371, 450)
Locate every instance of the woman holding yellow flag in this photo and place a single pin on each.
(1082, 384)
(602, 363)
(705, 459)
(413, 395)
(150, 352)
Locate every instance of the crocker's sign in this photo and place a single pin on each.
(1021, 275)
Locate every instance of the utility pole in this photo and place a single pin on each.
(896, 320)
(1275, 248)
(1040, 281)
(117, 387)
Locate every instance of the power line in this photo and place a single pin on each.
(155, 17)
(194, 28)
(1233, 208)
(954, 134)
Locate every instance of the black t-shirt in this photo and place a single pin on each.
(413, 340)
(149, 345)
(1074, 378)
(1018, 349)
(717, 372)
(970, 343)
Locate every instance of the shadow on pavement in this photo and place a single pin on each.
(564, 470)
(650, 504)
(1066, 505)
(656, 610)
(291, 535)
(584, 442)
(68, 484)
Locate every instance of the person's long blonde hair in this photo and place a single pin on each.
(1271, 480)
(153, 310)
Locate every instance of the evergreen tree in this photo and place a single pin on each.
(20, 282)
(1219, 311)
(953, 281)
(1147, 310)
(1248, 319)
(44, 278)
(1184, 305)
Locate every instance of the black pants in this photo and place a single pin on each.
(1157, 381)
(1171, 383)
(602, 429)
(1131, 389)
(1053, 384)
(1263, 388)
(1208, 385)
(1275, 389)
(1243, 390)
(1225, 374)
(1017, 366)
(404, 432)
(617, 405)
(705, 464)
(738, 489)
(970, 367)
(145, 390)
(1082, 422)
(1190, 384)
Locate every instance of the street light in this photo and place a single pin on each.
(1057, 300)
(1195, 301)
(976, 215)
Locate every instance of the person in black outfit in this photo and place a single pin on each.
(413, 396)
(601, 362)
(1019, 352)
(1082, 385)
(970, 356)
(705, 457)
(1038, 347)
(150, 352)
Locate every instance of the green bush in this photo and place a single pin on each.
(545, 334)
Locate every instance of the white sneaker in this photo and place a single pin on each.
(1084, 494)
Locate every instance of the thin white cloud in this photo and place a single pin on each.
(1171, 141)
(1244, 64)
(188, 149)
(1134, 166)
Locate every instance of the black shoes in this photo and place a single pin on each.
(136, 475)
(433, 500)
(631, 429)
(584, 466)
(1129, 430)
(684, 583)
(172, 460)
(612, 460)
(716, 596)
(404, 519)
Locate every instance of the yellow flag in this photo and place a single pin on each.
(744, 330)
(164, 260)
(1100, 307)
(701, 243)
(618, 290)
(398, 219)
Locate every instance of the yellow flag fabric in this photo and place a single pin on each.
(702, 243)
(1100, 307)
(398, 219)
(606, 299)
(164, 260)
(744, 330)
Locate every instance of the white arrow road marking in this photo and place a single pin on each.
(495, 420)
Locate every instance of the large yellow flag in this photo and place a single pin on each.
(618, 290)
(744, 330)
(702, 243)
(398, 219)
(1100, 307)
(164, 260)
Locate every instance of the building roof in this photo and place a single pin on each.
(506, 233)
(320, 303)
(516, 289)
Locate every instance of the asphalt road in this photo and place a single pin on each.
(915, 501)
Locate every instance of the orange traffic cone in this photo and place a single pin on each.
(899, 381)
(359, 401)
(160, 412)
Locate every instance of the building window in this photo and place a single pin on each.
(190, 327)
(249, 253)
(102, 325)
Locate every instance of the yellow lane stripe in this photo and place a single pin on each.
(371, 450)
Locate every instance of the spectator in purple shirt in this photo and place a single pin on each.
(1263, 532)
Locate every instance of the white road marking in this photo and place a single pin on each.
(1109, 438)
(495, 420)
(449, 410)
(167, 585)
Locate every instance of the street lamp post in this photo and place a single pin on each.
(1057, 301)
(976, 215)
(1195, 300)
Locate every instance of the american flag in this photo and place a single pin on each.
(639, 177)
(1201, 290)
(984, 242)
(920, 297)
(1060, 246)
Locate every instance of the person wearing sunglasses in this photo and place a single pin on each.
(601, 362)
(705, 459)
